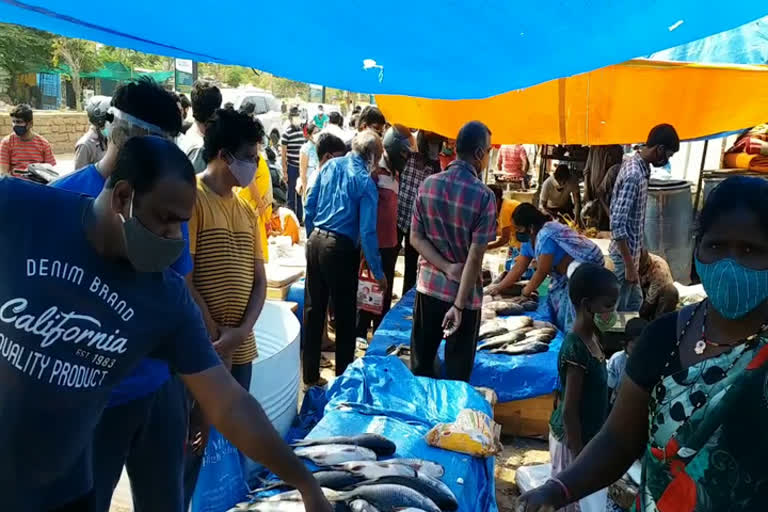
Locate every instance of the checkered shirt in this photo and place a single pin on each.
(416, 169)
(630, 195)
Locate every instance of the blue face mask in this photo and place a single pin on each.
(733, 289)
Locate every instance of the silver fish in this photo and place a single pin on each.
(379, 444)
(426, 467)
(430, 487)
(372, 470)
(361, 506)
(541, 324)
(504, 339)
(390, 497)
(336, 480)
(330, 454)
(522, 348)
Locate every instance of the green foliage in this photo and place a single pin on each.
(133, 59)
(79, 55)
(23, 50)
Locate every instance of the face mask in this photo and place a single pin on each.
(447, 151)
(733, 289)
(522, 237)
(604, 321)
(20, 129)
(148, 252)
(105, 131)
(243, 171)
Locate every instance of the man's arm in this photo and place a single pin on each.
(576, 193)
(503, 240)
(369, 203)
(5, 157)
(240, 418)
(624, 199)
(469, 278)
(48, 157)
(310, 208)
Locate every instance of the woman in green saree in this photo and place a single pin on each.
(693, 405)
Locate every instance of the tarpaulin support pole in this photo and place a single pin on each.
(701, 177)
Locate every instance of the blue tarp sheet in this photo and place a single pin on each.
(380, 395)
(512, 377)
(747, 44)
(438, 49)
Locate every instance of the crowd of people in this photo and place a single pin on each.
(132, 286)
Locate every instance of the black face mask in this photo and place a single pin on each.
(20, 129)
(522, 237)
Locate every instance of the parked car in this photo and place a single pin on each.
(266, 107)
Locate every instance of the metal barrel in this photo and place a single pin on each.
(669, 226)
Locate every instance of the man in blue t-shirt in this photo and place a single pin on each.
(82, 303)
(129, 434)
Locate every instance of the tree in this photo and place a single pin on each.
(131, 58)
(80, 56)
(23, 50)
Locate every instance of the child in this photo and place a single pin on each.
(582, 401)
(618, 361)
(284, 223)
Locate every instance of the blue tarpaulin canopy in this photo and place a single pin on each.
(433, 48)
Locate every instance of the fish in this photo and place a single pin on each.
(430, 487)
(491, 329)
(541, 324)
(369, 470)
(426, 467)
(518, 322)
(361, 506)
(504, 308)
(530, 306)
(330, 454)
(336, 480)
(284, 506)
(521, 348)
(499, 341)
(390, 497)
(379, 444)
(545, 331)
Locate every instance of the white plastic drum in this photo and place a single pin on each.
(275, 379)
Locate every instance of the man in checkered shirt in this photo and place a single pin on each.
(454, 219)
(628, 204)
(420, 164)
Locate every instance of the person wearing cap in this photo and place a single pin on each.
(397, 149)
(320, 118)
(292, 140)
(90, 148)
(144, 425)
(341, 210)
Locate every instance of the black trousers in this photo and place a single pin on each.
(411, 261)
(82, 504)
(365, 318)
(427, 334)
(333, 262)
(148, 436)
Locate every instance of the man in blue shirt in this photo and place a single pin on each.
(81, 304)
(129, 433)
(340, 210)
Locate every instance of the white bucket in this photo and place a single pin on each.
(275, 376)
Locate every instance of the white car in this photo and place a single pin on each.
(266, 107)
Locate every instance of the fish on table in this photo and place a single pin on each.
(330, 454)
(522, 348)
(432, 488)
(426, 467)
(371, 470)
(389, 497)
(333, 479)
(375, 442)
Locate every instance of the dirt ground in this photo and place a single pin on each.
(517, 452)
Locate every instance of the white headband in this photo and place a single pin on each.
(128, 118)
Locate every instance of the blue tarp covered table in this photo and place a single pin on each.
(380, 395)
(511, 377)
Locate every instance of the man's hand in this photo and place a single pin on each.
(383, 284)
(314, 499)
(630, 273)
(454, 271)
(451, 321)
(548, 497)
(492, 289)
(229, 339)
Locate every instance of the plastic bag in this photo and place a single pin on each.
(370, 296)
(220, 485)
(473, 433)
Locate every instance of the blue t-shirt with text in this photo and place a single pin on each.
(73, 325)
(151, 374)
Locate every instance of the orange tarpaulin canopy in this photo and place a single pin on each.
(613, 105)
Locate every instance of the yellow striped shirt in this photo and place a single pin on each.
(225, 243)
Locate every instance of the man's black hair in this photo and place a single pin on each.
(735, 193)
(498, 193)
(311, 129)
(248, 108)
(562, 173)
(329, 143)
(526, 215)
(146, 100)
(371, 115)
(664, 135)
(635, 327)
(335, 118)
(206, 99)
(185, 103)
(354, 120)
(473, 139)
(591, 281)
(228, 130)
(23, 112)
(320, 108)
(144, 160)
